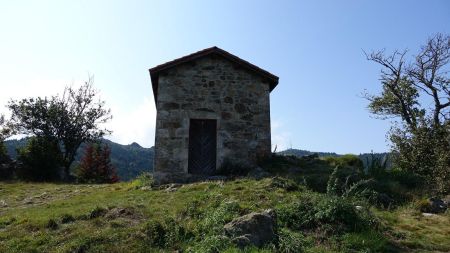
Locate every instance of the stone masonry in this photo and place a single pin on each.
(211, 85)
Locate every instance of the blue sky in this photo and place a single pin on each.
(315, 47)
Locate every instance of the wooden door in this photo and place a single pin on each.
(202, 146)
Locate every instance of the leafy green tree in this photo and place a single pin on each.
(95, 166)
(417, 93)
(3, 135)
(70, 119)
(41, 160)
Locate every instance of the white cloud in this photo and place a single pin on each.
(280, 137)
(128, 124)
(18, 88)
(135, 125)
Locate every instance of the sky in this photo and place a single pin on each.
(315, 47)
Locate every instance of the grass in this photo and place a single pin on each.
(124, 218)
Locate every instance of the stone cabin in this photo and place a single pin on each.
(212, 108)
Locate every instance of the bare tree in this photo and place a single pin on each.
(422, 140)
(405, 83)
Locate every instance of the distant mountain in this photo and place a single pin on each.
(129, 160)
(300, 153)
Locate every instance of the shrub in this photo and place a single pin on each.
(216, 216)
(342, 178)
(284, 183)
(95, 166)
(315, 210)
(97, 212)
(51, 224)
(67, 218)
(6, 171)
(41, 160)
(291, 242)
(211, 244)
(167, 234)
(145, 179)
(155, 234)
(346, 161)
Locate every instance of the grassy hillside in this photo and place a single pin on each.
(124, 217)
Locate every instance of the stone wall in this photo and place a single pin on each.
(211, 88)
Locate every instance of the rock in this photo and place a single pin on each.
(124, 212)
(437, 205)
(258, 173)
(28, 201)
(446, 200)
(170, 187)
(252, 229)
(428, 214)
(3, 203)
(358, 207)
(146, 188)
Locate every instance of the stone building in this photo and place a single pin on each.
(212, 108)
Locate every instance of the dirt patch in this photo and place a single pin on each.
(124, 213)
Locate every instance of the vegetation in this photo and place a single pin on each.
(421, 139)
(95, 166)
(124, 218)
(41, 160)
(129, 160)
(69, 120)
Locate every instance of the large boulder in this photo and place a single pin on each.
(255, 229)
(433, 205)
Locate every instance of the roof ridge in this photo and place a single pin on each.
(154, 72)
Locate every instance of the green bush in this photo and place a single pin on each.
(97, 212)
(51, 224)
(291, 242)
(216, 216)
(155, 234)
(211, 244)
(284, 183)
(342, 178)
(41, 160)
(5, 172)
(348, 160)
(67, 218)
(316, 210)
(167, 234)
(145, 179)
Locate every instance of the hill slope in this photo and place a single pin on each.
(124, 218)
(129, 160)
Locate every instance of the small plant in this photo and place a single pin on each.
(211, 244)
(291, 242)
(167, 234)
(145, 179)
(284, 183)
(51, 224)
(67, 218)
(342, 179)
(155, 234)
(96, 212)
